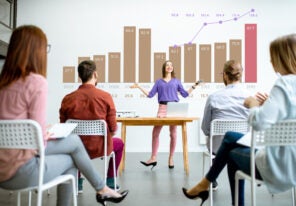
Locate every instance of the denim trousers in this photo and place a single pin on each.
(237, 157)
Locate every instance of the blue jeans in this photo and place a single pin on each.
(237, 157)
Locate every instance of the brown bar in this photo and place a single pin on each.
(145, 55)
(159, 59)
(80, 59)
(100, 61)
(129, 54)
(205, 64)
(220, 59)
(175, 57)
(69, 74)
(114, 67)
(235, 49)
(189, 63)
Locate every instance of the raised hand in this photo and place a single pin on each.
(251, 102)
(261, 97)
(198, 82)
(135, 85)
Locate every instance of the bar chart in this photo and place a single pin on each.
(138, 62)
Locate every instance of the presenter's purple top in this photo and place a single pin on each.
(168, 91)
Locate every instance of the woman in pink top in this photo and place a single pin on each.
(23, 94)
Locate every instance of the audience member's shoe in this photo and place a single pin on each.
(102, 198)
(110, 184)
(215, 185)
(203, 195)
(80, 185)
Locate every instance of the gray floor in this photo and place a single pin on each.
(162, 186)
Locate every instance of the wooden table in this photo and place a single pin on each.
(151, 121)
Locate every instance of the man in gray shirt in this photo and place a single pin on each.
(226, 103)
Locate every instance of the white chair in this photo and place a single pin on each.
(27, 134)
(220, 127)
(279, 134)
(96, 127)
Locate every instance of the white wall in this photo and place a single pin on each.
(86, 28)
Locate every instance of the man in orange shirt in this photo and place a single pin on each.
(90, 103)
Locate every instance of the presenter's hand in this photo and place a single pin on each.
(135, 85)
(198, 82)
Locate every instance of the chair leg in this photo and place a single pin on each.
(75, 190)
(39, 198)
(105, 168)
(114, 172)
(203, 164)
(293, 196)
(236, 190)
(19, 199)
(77, 187)
(211, 194)
(30, 198)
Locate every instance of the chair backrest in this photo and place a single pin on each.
(27, 134)
(279, 134)
(91, 127)
(221, 126)
(23, 134)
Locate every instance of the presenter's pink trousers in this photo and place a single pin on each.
(156, 131)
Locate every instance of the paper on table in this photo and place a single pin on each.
(61, 130)
(245, 140)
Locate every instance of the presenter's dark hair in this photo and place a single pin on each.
(27, 52)
(164, 72)
(86, 69)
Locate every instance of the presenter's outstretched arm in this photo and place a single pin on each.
(136, 85)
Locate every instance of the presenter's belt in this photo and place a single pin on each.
(163, 102)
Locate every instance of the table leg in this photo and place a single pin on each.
(123, 137)
(185, 148)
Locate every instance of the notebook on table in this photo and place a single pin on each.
(177, 109)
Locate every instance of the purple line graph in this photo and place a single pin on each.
(237, 17)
